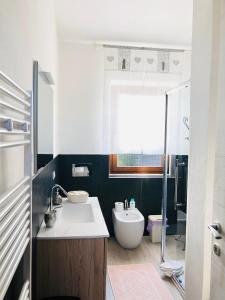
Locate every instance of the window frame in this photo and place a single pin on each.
(114, 169)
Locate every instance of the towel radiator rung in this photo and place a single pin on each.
(14, 108)
(22, 216)
(10, 271)
(13, 189)
(16, 132)
(13, 84)
(14, 144)
(20, 229)
(25, 291)
(9, 218)
(9, 205)
(19, 240)
(9, 94)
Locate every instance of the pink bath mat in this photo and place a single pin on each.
(137, 282)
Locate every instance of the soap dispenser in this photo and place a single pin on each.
(132, 203)
(57, 199)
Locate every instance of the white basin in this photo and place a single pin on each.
(78, 213)
(76, 221)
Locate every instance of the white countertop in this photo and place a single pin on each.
(73, 221)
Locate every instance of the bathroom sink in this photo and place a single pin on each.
(78, 213)
(76, 221)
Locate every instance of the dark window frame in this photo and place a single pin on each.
(114, 169)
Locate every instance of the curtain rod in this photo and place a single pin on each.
(142, 48)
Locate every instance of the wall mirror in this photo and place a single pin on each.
(43, 106)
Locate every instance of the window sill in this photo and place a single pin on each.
(135, 175)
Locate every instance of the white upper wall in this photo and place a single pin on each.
(80, 111)
(44, 35)
(144, 21)
(27, 32)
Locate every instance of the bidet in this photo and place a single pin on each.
(128, 227)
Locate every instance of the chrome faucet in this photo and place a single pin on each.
(126, 205)
(56, 199)
(50, 215)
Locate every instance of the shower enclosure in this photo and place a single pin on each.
(174, 202)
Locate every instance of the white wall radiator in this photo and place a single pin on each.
(15, 202)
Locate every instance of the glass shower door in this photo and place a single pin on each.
(175, 182)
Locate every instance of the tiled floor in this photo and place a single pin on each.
(175, 251)
(146, 252)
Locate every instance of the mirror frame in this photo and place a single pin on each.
(49, 80)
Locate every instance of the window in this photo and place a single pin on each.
(137, 121)
(137, 124)
(136, 164)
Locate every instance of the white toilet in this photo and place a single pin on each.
(128, 227)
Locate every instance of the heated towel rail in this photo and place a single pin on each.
(15, 203)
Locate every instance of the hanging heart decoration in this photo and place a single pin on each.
(150, 61)
(137, 59)
(110, 58)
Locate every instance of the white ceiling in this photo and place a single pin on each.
(140, 21)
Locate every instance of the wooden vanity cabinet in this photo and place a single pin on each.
(71, 267)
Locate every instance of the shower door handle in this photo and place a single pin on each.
(178, 164)
(216, 230)
(176, 187)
